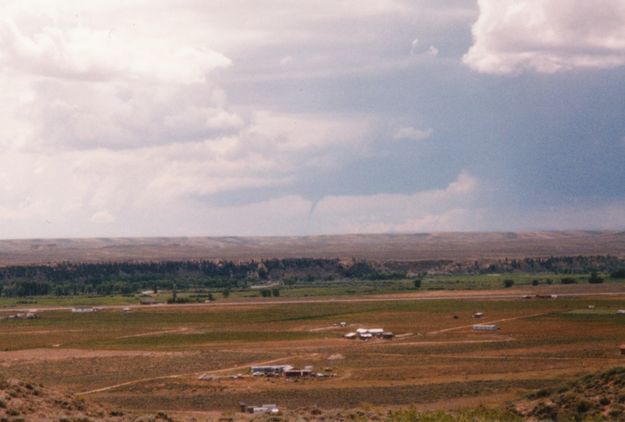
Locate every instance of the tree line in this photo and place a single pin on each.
(107, 278)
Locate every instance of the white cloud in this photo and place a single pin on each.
(439, 209)
(512, 36)
(413, 46)
(412, 133)
(102, 216)
(116, 118)
(432, 51)
(286, 60)
(39, 45)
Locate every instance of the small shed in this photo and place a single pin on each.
(622, 348)
(365, 336)
(621, 312)
(297, 373)
(485, 327)
(350, 336)
(376, 331)
(478, 314)
(387, 335)
(265, 408)
(82, 309)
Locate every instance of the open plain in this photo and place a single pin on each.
(150, 358)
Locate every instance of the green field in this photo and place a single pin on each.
(150, 358)
(319, 289)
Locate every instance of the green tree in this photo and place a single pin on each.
(594, 278)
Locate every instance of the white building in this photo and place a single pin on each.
(485, 327)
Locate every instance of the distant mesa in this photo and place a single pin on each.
(410, 247)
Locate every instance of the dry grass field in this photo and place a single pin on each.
(150, 359)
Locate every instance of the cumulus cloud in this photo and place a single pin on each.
(38, 44)
(438, 209)
(102, 216)
(412, 133)
(512, 36)
(129, 118)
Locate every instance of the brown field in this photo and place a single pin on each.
(150, 359)
(423, 246)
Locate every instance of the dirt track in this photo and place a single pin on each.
(197, 373)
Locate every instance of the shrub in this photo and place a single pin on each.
(508, 283)
(583, 406)
(568, 280)
(594, 278)
(539, 394)
(618, 274)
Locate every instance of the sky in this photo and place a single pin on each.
(276, 117)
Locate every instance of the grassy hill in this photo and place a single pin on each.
(593, 397)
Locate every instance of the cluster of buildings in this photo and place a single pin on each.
(287, 371)
(22, 315)
(369, 333)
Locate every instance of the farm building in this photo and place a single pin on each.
(297, 373)
(478, 314)
(622, 348)
(270, 370)
(82, 309)
(265, 408)
(621, 312)
(485, 327)
(22, 315)
(372, 331)
(367, 333)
